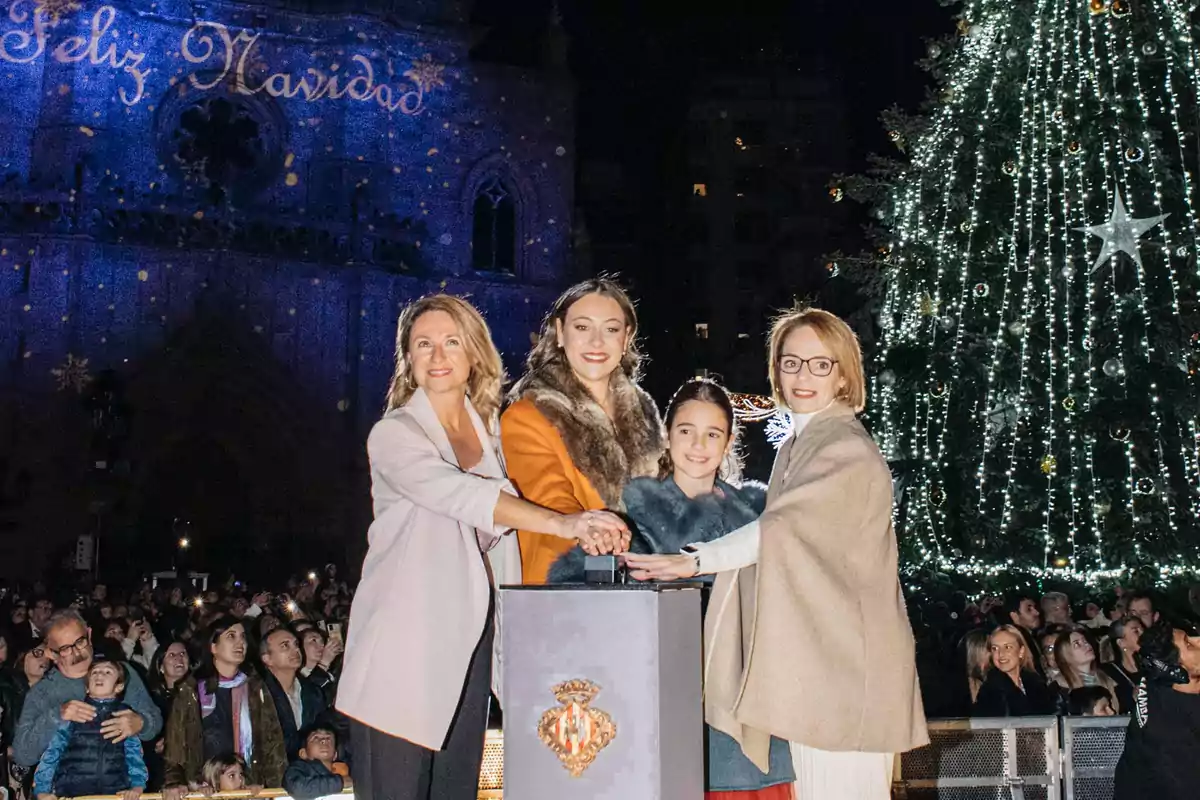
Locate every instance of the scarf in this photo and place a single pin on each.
(243, 735)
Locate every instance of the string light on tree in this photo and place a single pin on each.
(1054, 120)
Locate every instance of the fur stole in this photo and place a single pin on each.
(664, 519)
(608, 452)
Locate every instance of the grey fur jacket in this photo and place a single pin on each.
(664, 519)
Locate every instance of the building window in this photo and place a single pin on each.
(701, 330)
(700, 189)
(494, 231)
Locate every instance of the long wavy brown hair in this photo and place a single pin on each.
(486, 381)
(547, 352)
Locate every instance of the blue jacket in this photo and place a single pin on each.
(308, 780)
(666, 519)
(40, 716)
(80, 761)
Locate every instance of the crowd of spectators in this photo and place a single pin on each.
(173, 689)
(1030, 655)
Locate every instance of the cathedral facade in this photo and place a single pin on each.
(210, 216)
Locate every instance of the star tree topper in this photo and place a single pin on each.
(1121, 233)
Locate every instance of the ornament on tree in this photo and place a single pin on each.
(1121, 233)
(935, 50)
(1017, 328)
(836, 193)
(1058, 115)
(1143, 486)
(1134, 154)
(1088, 343)
(963, 27)
(833, 269)
(1012, 54)
(1009, 168)
(895, 136)
(1005, 413)
(1149, 49)
(1113, 367)
(1119, 433)
(959, 139)
(937, 389)
(1049, 465)
(1074, 148)
(887, 377)
(928, 306)
(981, 290)
(1067, 272)
(1120, 8)
(937, 496)
(1098, 7)
(1182, 251)
(965, 226)
(1068, 403)
(946, 322)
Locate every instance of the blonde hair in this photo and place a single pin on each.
(1070, 678)
(487, 370)
(215, 767)
(1012, 630)
(837, 336)
(547, 353)
(979, 660)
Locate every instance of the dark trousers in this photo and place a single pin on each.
(390, 768)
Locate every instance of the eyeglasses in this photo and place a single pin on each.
(820, 367)
(38, 652)
(80, 645)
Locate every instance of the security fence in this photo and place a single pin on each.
(1016, 758)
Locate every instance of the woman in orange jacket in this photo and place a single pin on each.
(578, 427)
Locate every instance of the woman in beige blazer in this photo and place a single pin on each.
(807, 637)
(418, 663)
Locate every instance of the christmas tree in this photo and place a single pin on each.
(1034, 379)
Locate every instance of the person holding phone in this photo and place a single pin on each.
(139, 644)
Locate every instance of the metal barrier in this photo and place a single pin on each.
(1091, 748)
(1015, 758)
(984, 759)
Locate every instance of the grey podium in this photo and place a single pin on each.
(602, 692)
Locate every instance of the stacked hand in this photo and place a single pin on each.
(598, 532)
(660, 567)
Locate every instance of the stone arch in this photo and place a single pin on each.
(491, 171)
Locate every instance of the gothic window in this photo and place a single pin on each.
(494, 231)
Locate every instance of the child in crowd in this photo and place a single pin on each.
(225, 773)
(80, 761)
(317, 772)
(1090, 701)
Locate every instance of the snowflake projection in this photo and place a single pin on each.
(779, 428)
(54, 10)
(73, 374)
(426, 73)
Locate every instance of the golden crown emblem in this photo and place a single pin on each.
(574, 730)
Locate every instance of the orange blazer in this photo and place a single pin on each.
(539, 466)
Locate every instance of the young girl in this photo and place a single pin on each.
(225, 773)
(696, 498)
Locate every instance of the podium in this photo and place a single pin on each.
(602, 692)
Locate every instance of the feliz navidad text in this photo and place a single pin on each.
(219, 55)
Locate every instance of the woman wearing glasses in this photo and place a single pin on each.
(818, 567)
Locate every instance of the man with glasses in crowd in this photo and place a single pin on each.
(59, 697)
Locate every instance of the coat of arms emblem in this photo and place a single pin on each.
(574, 730)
